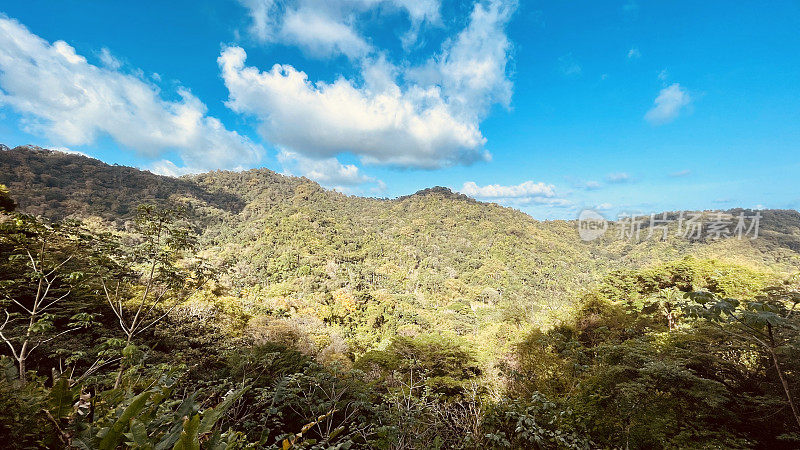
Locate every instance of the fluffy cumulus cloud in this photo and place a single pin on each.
(405, 127)
(328, 36)
(528, 192)
(73, 102)
(424, 116)
(328, 172)
(327, 28)
(668, 105)
(526, 189)
(472, 68)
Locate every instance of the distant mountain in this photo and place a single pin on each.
(440, 191)
(56, 185)
(287, 237)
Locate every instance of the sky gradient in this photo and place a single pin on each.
(549, 107)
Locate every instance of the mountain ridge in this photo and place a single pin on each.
(27, 155)
(288, 236)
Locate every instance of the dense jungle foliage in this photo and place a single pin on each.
(253, 310)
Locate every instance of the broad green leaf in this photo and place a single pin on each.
(190, 438)
(61, 397)
(115, 433)
(138, 435)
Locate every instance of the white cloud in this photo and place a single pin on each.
(168, 168)
(526, 193)
(327, 28)
(412, 127)
(429, 121)
(589, 185)
(68, 151)
(109, 60)
(634, 53)
(59, 48)
(668, 104)
(472, 68)
(418, 10)
(328, 172)
(681, 173)
(263, 21)
(328, 36)
(619, 177)
(525, 189)
(73, 102)
(592, 185)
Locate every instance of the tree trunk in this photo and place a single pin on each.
(785, 386)
(23, 377)
(122, 362)
(119, 375)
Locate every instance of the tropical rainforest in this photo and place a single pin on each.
(255, 310)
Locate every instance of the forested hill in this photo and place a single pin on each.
(286, 237)
(428, 318)
(56, 185)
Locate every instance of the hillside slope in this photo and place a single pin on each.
(438, 260)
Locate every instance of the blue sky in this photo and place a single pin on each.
(549, 107)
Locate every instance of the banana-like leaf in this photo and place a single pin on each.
(187, 408)
(138, 435)
(61, 397)
(190, 438)
(115, 433)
